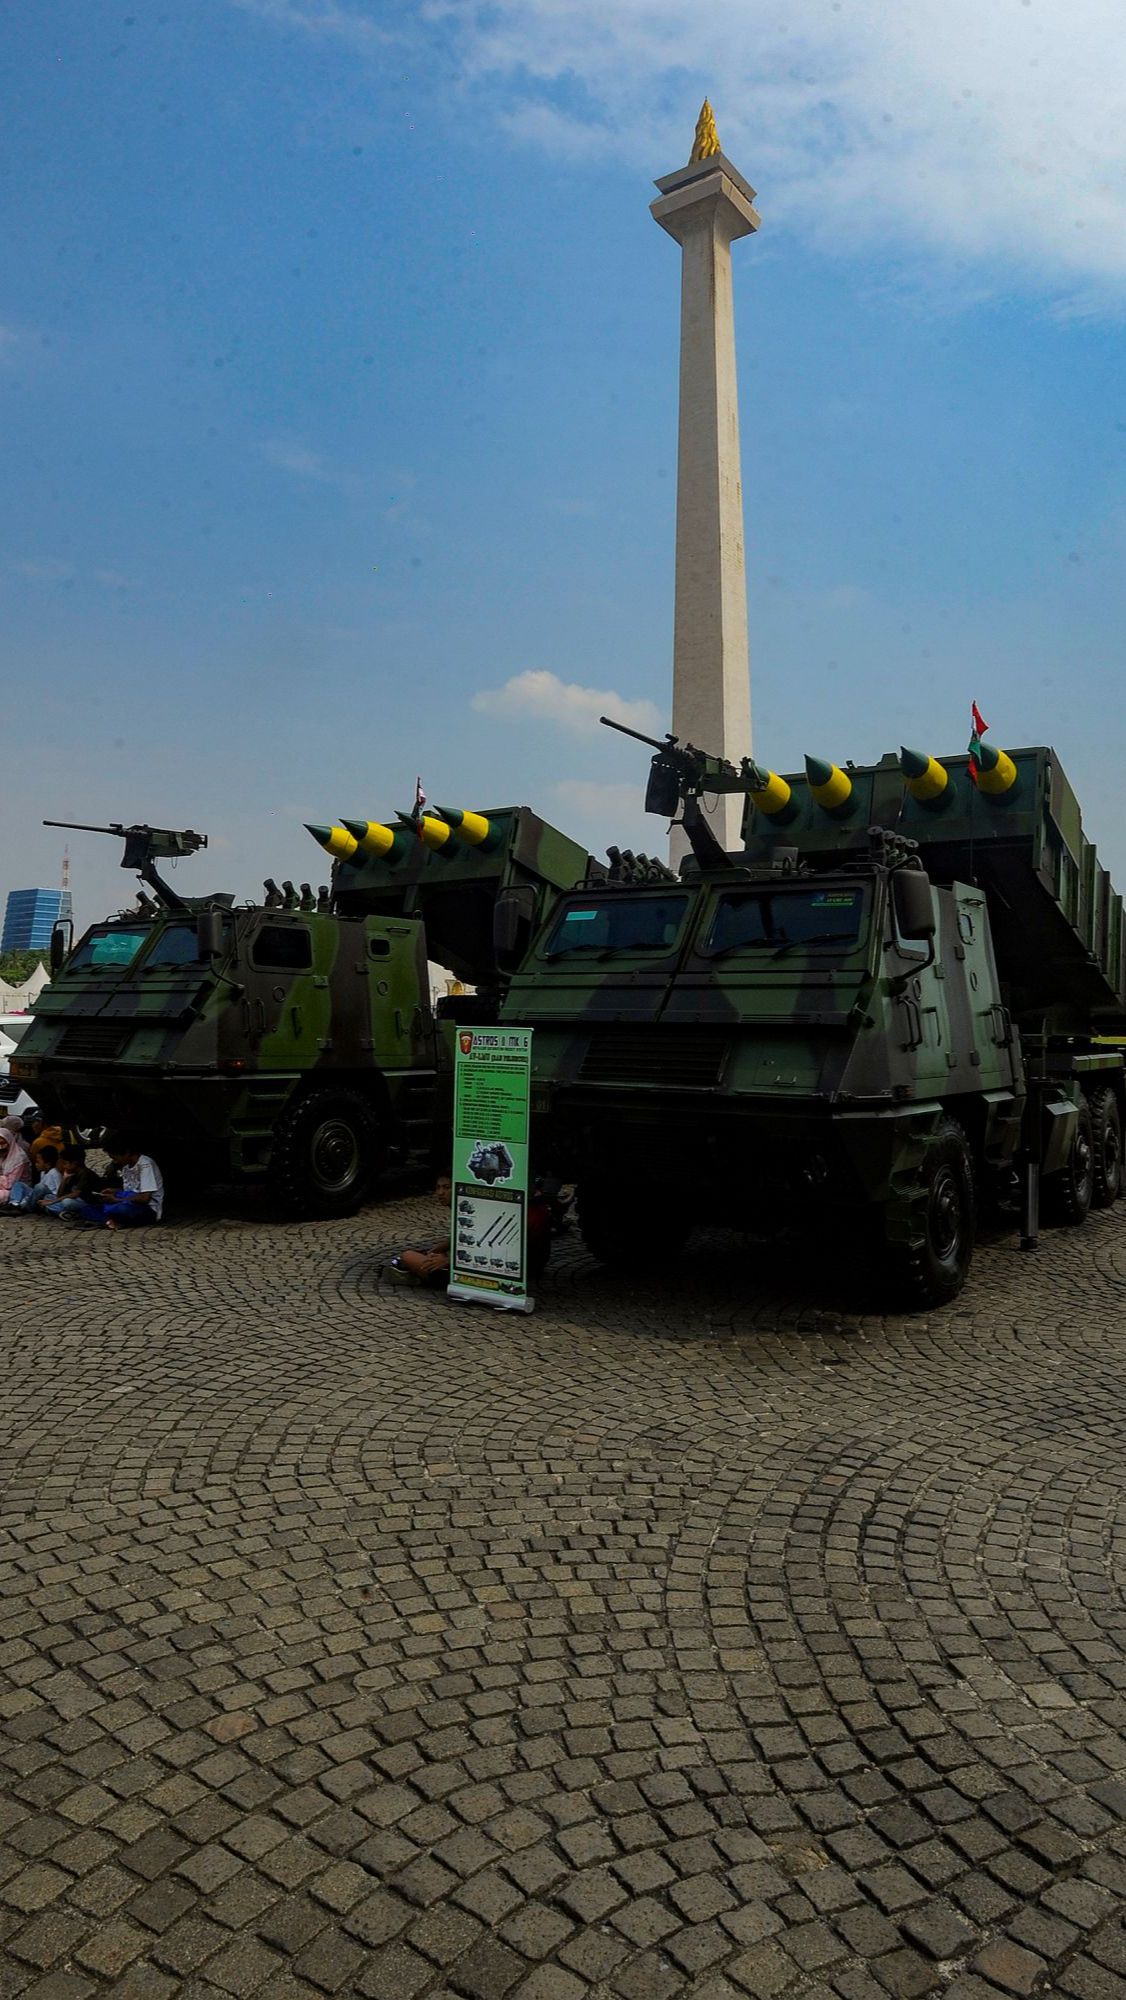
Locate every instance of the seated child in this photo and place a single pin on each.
(77, 1185)
(28, 1199)
(139, 1199)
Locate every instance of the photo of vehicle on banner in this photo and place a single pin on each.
(489, 1232)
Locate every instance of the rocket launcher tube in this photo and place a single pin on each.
(372, 837)
(433, 833)
(829, 786)
(770, 794)
(471, 827)
(927, 780)
(336, 840)
(996, 772)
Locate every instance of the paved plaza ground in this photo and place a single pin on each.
(687, 1638)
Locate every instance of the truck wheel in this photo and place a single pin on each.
(325, 1154)
(932, 1271)
(627, 1228)
(1106, 1133)
(1068, 1195)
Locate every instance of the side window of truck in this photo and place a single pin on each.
(282, 948)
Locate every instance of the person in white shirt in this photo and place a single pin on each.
(139, 1199)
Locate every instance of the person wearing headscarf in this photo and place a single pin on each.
(15, 1160)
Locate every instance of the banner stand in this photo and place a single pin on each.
(489, 1220)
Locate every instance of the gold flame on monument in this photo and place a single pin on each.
(706, 141)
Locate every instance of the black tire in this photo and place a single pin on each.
(1106, 1132)
(1068, 1195)
(628, 1229)
(932, 1270)
(326, 1154)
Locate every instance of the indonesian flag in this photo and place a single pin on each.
(978, 727)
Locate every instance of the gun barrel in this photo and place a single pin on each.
(81, 826)
(639, 735)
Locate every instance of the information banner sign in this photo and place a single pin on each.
(489, 1234)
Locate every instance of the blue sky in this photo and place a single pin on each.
(338, 389)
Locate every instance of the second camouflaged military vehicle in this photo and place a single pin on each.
(882, 1013)
(293, 1041)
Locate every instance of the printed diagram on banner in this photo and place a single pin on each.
(487, 1234)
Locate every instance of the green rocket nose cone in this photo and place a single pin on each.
(987, 756)
(321, 833)
(356, 827)
(818, 771)
(453, 815)
(758, 777)
(913, 763)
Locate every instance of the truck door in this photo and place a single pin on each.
(396, 996)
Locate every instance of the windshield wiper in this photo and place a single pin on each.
(819, 937)
(744, 944)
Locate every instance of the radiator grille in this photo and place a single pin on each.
(682, 1058)
(95, 1038)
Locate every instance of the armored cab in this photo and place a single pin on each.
(868, 1019)
(293, 1040)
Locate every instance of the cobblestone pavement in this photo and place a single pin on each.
(685, 1638)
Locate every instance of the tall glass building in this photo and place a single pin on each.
(29, 916)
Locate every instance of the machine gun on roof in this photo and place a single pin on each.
(143, 846)
(679, 776)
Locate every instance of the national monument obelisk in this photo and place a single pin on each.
(705, 206)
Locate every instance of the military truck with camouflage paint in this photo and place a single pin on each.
(293, 1041)
(883, 1013)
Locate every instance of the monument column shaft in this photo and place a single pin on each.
(711, 669)
(704, 208)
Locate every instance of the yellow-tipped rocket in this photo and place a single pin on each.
(926, 779)
(372, 837)
(770, 794)
(471, 827)
(336, 840)
(996, 772)
(433, 833)
(830, 787)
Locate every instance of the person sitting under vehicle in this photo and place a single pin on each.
(430, 1266)
(77, 1186)
(15, 1161)
(43, 1135)
(26, 1199)
(139, 1199)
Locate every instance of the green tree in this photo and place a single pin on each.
(16, 966)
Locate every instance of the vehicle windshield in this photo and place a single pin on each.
(777, 920)
(617, 923)
(175, 944)
(111, 948)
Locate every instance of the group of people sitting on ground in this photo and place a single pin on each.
(43, 1171)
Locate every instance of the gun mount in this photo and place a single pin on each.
(145, 845)
(678, 778)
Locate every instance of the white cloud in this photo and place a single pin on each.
(989, 134)
(290, 456)
(566, 704)
(43, 569)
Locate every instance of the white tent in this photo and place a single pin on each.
(18, 999)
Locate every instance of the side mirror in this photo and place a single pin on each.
(62, 939)
(209, 933)
(913, 903)
(513, 913)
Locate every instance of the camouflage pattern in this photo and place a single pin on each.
(305, 1050)
(810, 1075)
